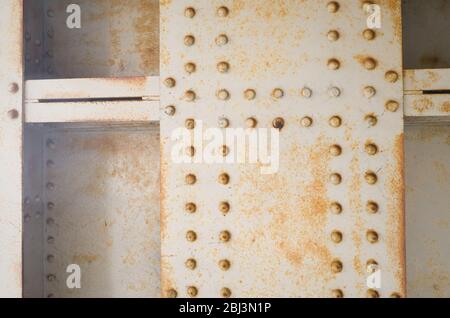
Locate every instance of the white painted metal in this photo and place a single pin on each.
(280, 224)
(11, 81)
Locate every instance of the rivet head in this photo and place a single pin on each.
(50, 186)
(371, 178)
(190, 151)
(223, 67)
(50, 258)
(306, 92)
(13, 114)
(191, 179)
(278, 123)
(371, 120)
(50, 221)
(224, 150)
(277, 93)
(170, 82)
(170, 110)
(50, 240)
(369, 63)
(391, 76)
(224, 178)
(334, 92)
(333, 64)
(223, 94)
(191, 236)
(13, 88)
(171, 293)
(225, 292)
(372, 236)
(190, 96)
(27, 218)
(369, 91)
(333, 7)
(190, 207)
(333, 35)
(222, 40)
(396, 295)
(371, 266)
(192, 291)
(191, 264)
(250, 94)
(336, 266)
(223, 12)
(224, 236)
(189, 123)
(337, 293)
(306, 121)
(372, 207)
(336, 236)
(369, 34)
(251, 122)
(223, 122)
(189, 40)
(224, 264)
(51, 277)
(372, 293)
(335, 150)
(335, 121)
(189, 12)
(371, 149)
(224, 207)
(190, 67)
(392, 106)
(336, 208)
(335, 178)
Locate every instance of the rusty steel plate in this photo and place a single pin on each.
(330, 219)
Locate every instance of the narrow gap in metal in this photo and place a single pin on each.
(437, 92)
(105, 99)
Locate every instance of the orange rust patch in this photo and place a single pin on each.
(445, 108)
(84, 258)
(422, 105)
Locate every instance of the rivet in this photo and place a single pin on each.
(50, 163)
(50, 258)
(225, 292)
(169, 82)
(50, 295)
(369, 34)
(171, 293)
(391, 76)
(170, 110)
(335, 178)
(190, 207)
(372, 266)
(190, 96)
(190, 67)
(13, 88)
(191, 264)
(27, 36)
(191, 179)
(334, 92)
(221, 40)
(224, 264)
(333, 64)
(223, 12)
(50, 186)
(191, 236)
(38, 214)
(50, 13)
(224, 178)
(190, 151)
(335, 150)
(335, 121)
(189, 123)
(396, 295)
(192, 291)
(371, 120)
(250, 94)
(336, 266)
(369, 63)
(50, 221)
(306, 92)
(223, 67)
(251, 122)
(223, 94)
(189, 40)
(189, 12)
(371, 178)
(336, 236)
(333, 7)
(371, 149)
(372, 207)
(224, 150)
(337, 293)
(372, 293)
(51, 277)
(13, 114)
(392, 106)
(369, 91)
(278, 123)
(37, 42)
(50, 240)
(306, 121)
(224, 207)
(224, 236)
(372, 236)
(336, 208)
(277, 93)
(223, 122)
(27, 218)
(333, 35)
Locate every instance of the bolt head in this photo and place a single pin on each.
(251, 122)
(13, 114)
(13, 88)
(170, 110)
(191, 236)
(306, 121)
(222, 40)
(223, 122)
(190, 68)
(223, 12)
(250, 94)
(189, 40)
(189, 12)
(333, 35)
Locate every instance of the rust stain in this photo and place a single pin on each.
(422, 105)
(146, 29)
(84, 258)
(445, 108)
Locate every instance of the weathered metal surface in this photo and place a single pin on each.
(11, 81)
(427, 161)
(281, 227)
(426, 79)
(101, 199)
